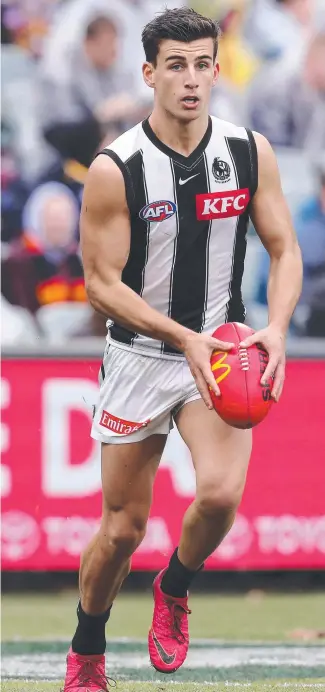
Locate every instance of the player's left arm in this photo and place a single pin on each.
(273, 224)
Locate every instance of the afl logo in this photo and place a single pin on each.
(158, 211)
(221, 170)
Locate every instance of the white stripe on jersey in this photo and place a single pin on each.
(222, 241)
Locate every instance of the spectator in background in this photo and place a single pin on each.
(44, 265)
(274, 27)
(309, 223)
(68, 30)
(238, 64)
(287, 100)
(92, 99)
(26, 23)
(310, 227)
(13, 191)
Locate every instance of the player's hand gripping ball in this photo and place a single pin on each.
(244, 401)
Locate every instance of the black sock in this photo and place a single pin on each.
(89, 638)
(178, 578)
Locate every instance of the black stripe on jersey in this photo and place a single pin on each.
(253, 162)
(188, 290)
(239, 152)
(129, 191)
(133, 272)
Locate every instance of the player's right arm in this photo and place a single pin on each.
(105, 244)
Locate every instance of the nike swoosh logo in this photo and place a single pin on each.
(166, 658)
(182, 182)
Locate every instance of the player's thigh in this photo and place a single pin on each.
(220, 452)
(128, 473)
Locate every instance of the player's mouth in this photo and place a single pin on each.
(190, 102)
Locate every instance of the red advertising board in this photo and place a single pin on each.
(50, 474)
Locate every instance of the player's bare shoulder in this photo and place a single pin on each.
(262, 143)
(104, 189)
(267, 163)
(269, 210)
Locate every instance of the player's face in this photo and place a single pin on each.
(183, 77)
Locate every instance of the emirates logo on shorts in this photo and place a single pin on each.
(220, 205)
(119, 426)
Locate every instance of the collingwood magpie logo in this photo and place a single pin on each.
(221, 170)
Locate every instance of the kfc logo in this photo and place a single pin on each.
(219, 205)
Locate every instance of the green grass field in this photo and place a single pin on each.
(308, 685)
(255, 616)
(256, 642)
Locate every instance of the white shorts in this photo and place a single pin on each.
(139, 395)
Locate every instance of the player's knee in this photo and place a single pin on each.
(220, 499)
(123, 532)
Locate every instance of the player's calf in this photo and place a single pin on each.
(105, 563)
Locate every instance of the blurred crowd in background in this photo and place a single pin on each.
(72, 82)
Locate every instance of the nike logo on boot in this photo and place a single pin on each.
(166, 658)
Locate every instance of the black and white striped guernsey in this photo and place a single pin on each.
(189, 218)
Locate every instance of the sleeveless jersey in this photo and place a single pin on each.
(189, 218)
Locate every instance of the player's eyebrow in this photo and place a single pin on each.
(182, 58)
(204, 57)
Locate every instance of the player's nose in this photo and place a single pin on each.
(191, 78)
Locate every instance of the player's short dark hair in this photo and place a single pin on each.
(99, 24)
(180, 24)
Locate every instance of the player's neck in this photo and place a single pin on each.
(177, 135)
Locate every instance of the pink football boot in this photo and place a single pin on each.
(168, 639)
(85, 673)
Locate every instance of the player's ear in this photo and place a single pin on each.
(215, 73)
(148, 72)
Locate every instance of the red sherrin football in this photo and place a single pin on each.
(244, 402)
